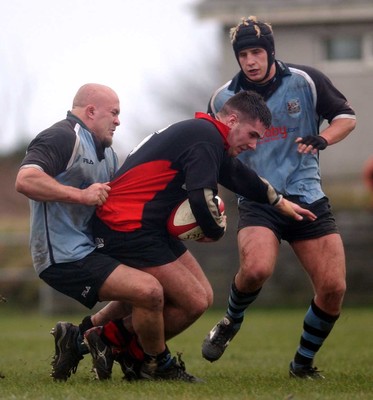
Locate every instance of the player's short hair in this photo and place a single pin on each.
(248, 105)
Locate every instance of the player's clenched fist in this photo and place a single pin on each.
(96, 194)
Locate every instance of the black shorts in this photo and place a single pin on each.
(81, 279)
(256, 214)
(138, 249)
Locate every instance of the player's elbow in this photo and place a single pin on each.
(20, 185)
(25, 182)
(25, 187)
(351, 124)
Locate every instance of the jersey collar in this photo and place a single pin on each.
(222, 128)
(100, 150)
(239, 82)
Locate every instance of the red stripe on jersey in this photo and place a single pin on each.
(130, 193)
(222, 128)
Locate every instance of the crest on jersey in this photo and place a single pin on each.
(293, 106)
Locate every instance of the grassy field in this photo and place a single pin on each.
(254, 367)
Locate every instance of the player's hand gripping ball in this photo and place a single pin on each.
(182, 224)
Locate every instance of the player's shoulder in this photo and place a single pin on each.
(197, 127)
(221, 95)
(59, 137)
(195, 131)
(306, 70)
(63, 128)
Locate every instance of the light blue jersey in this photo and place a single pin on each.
(296, 108)
(61, 232)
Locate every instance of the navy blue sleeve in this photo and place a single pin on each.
(239, 179)
(330, 101)
(202, 156)
(51, 150)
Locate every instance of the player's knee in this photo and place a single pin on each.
(198, 305)
(253, 270)
(333, 294)
(207, 298)
(257, 274)
(152, 295)
(340, 290)
(196, 310)
(210, 298)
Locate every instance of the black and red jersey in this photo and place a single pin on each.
(171, 165)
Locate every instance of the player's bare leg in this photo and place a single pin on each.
(258, 249)
(112, 311)
(188, 293)
(324, 260)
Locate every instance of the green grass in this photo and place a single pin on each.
(255, 365)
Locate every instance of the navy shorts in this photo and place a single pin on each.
(81, 279)
(138, 249)
(256, 214)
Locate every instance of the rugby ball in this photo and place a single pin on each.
(182, 224)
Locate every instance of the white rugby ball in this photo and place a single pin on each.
(182, 224)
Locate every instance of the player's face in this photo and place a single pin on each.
(105, 122)
(254, 64)
(244, 136)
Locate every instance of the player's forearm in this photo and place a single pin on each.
(38, 186)
(238, 178)
(206, 212)
(338, 130)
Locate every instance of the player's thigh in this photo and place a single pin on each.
(181, 287)
(133, 286)
(258, 248)
(193, 266)
(324, 260)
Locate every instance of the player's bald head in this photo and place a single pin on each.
(92, 93)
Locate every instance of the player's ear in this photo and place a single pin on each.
(90, 110)
(232, 119)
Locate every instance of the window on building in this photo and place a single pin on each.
(344, 48)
